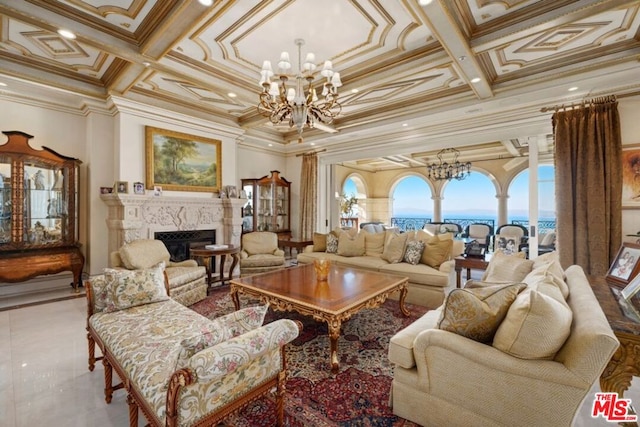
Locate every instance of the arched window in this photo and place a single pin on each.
(518, 204)
(470, 200)
(412, 205)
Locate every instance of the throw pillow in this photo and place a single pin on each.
(100, 288)
(436, 251)
(332, 244)
(130, 288)
(477, 313)
(319, 242)
(413, 252)
(535, 327)
(394, 249)
(351, 245)
(506, 268)
(221, 329)
(373, 244)
(552, 272)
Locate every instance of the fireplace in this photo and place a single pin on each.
(179, 242)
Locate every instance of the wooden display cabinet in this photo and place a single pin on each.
(38, 212)
(268, 206)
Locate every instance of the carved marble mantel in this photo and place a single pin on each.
(133, 217)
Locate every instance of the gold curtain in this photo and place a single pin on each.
(588, 159)
(308, 195)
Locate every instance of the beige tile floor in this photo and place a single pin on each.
(44, 380)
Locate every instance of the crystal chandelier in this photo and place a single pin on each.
(448, 170)
(296, 105)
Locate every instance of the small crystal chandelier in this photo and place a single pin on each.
(449, 170)
(293, 104)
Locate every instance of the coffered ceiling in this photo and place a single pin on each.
(401, 63)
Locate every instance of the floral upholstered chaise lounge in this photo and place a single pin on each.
(178, 367)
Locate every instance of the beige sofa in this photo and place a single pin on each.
(187, 280)
(538, 378)
(366, 250)
(178, 367)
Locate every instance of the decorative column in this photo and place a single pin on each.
(503, 201)
(437, 208)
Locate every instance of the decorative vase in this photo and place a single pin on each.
(321, 266)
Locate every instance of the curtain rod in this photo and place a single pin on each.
(309, 153)
(583, 103)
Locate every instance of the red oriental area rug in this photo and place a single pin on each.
(357, 396)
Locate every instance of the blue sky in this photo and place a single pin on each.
(471, 197)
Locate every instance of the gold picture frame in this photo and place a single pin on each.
(182, 162)
(631, 177)
(625, 266)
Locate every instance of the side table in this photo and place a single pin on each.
(625, 363)
(205, 256)
(468, 263)
(299, 245)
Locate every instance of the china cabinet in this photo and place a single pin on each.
(38, 212)
(268, 206)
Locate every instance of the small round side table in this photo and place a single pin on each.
(205, 255)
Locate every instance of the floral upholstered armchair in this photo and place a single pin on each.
(187, 280)
(260, 253)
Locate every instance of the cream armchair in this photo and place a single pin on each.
(187, 280)
(260, 253)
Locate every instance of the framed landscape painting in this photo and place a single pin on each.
(181, 162)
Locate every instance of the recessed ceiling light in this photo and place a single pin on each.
(66, 34)
(475, 80)
(2, 84)
(146, 64)
(270, 145)
(205, 2)
(571, 89)
(424, 2)
(313, 143)
(461, 58)
(405, 124)
(231, 95)
(354, 90)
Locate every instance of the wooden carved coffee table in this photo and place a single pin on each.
(347, 291)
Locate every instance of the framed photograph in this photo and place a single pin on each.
(106, 190)
(138, 188)
(181, 162)
(631, 177)
(632, 288)
(157, 190)
(231, 191)
(121, 187)
(626, 265)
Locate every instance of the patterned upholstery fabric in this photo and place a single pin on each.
(145, 340)
(332, 244)
(477, 313)
(129, 288)
(413, 252)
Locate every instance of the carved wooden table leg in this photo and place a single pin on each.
(92, 352)
(620, 370)
(334, 334)
(133, 411)
(403, 295)
(234, 297)
(108, 380)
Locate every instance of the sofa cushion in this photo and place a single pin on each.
(420, 273)
(413, 251)
(507, 268)
(130, 288)
(535, 327)
(221, 329)
(143, 253)
(366, 262)
(401, 344)
(332, 243)
(477, 313)
(351, 245)
(262, 260)
(308, 257)
(373, 243)
(180, 276)
(394, 248)
(319, 242)
(436, 251)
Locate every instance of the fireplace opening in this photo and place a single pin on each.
(178, 243)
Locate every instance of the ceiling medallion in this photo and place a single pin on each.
(448, 170)
(295, 105)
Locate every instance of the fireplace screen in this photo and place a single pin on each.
(178, 243)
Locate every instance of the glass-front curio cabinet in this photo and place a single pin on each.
(268, 206)
(38, 211)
